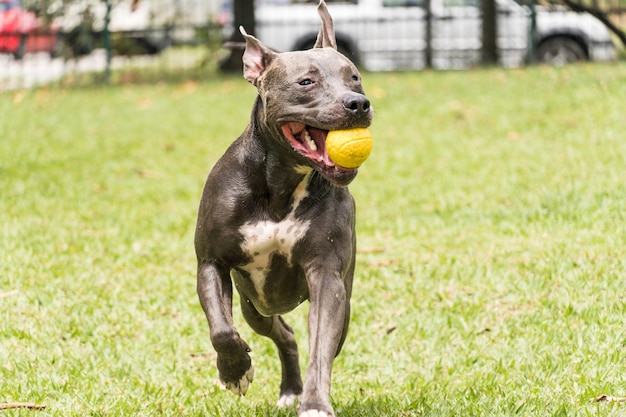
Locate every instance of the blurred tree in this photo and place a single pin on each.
(243, 15)
(490, 32)
(80, 39)
(44, 9)
(428, 52)
(601, 15)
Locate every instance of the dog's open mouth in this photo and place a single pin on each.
(310, 142)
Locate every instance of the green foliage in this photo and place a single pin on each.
(491, 249)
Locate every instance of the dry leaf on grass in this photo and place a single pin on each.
(8, 293)
(610, 399)
(390, 329)
(144, 173)
(31, 406)
(375, 249)
(382, 263)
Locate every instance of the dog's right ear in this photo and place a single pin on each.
(256, 57)
(326, 35)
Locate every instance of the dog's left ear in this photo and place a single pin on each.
(256, 57)
(326, 35)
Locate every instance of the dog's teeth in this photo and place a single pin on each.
(310, 142)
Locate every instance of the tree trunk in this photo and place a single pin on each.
(428, 53)
(598, 14)
(490, 32)
(243, 15)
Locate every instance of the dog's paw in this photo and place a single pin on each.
(315, 413)
(287, 400)
(241, 387)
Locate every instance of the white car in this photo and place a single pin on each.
(385, 35)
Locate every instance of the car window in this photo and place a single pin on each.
(461, 3)
(8, 5)
(403, 3)
(316, 2)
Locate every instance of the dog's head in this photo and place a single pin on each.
(306, 94)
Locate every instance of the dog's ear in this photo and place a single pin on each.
(256, 57)
(326, 35)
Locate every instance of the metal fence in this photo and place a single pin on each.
(88, 60)
(82, 42)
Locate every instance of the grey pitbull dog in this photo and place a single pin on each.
(277, 219)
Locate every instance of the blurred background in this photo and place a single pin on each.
(84, 42)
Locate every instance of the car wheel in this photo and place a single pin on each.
(560, 51)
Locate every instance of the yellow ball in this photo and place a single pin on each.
(349, 148)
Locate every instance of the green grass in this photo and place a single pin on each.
(492, 236)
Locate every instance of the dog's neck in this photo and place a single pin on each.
(278, 168)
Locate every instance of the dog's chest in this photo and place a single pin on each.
(263, 240)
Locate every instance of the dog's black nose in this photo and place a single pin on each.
(356, 103)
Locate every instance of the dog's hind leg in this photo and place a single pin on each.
(282, 335)
(216, 295)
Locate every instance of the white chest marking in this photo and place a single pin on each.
(264, 239)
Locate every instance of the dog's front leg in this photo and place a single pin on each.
(216, 296)
(328, 298)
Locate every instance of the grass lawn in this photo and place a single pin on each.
(492, 236)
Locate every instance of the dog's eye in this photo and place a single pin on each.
(307, 81)
(355, 78)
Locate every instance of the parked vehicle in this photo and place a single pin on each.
(391, 34)
(22, 32)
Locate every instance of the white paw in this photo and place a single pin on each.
(241, 387)
(314, 413)
(287, 400)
